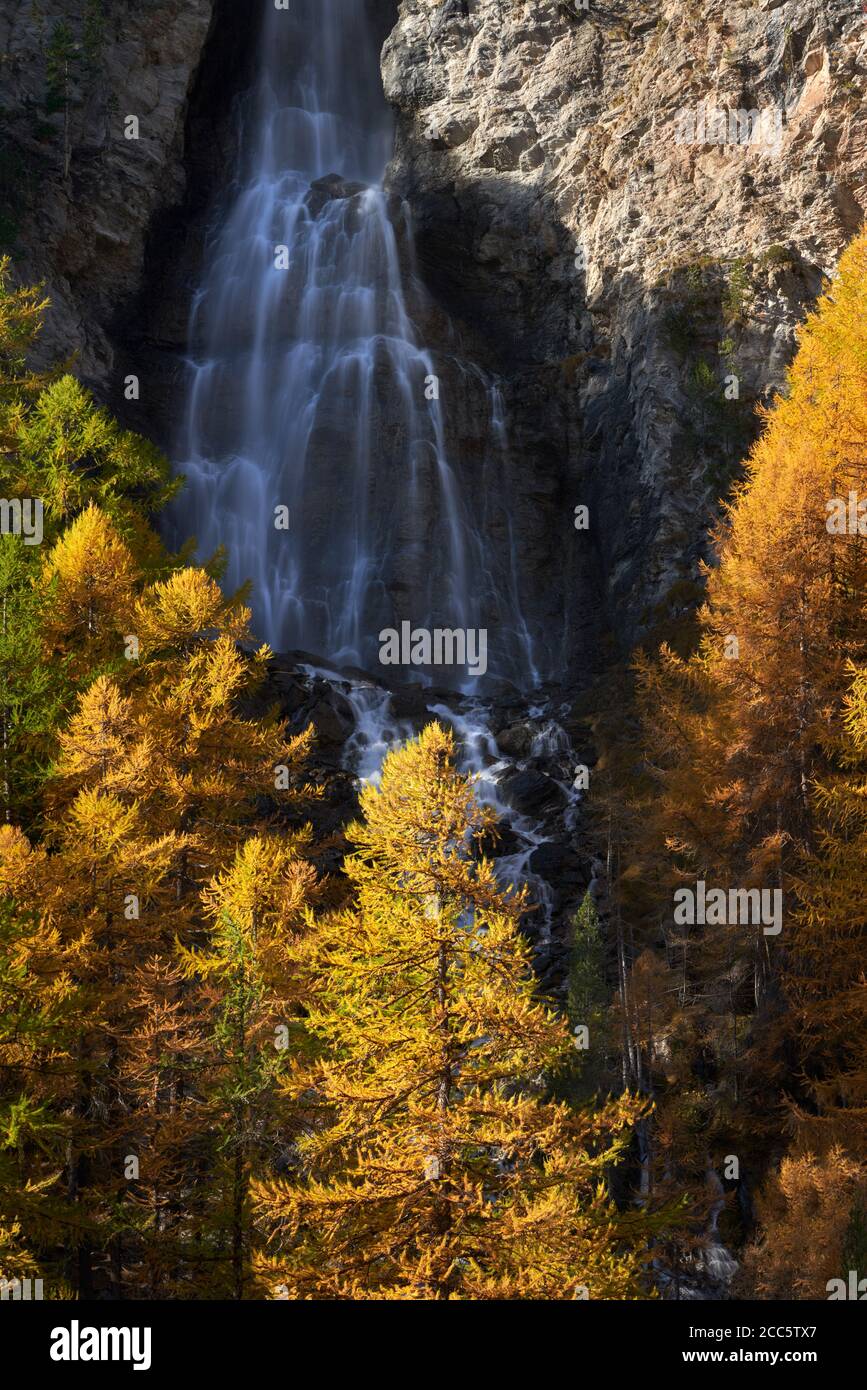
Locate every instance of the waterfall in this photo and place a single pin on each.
(309, 389)
(315, 443)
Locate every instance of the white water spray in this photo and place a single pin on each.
(315, 441)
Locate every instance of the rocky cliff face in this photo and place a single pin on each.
(631, 205)
(78, 196)
(631, 270)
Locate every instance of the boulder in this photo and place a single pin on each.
(530, 793)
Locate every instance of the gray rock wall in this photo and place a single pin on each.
(77, 198)
(616, 276)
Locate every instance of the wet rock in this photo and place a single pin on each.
(706, 1277)
(332, 718)
(286, 689)
(329, 188)
(411, 702)
(517, 739)
(355, 673)
(556, 862)
(530, 793)
(355, 715)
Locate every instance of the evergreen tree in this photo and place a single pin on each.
(33, 692)
(22, 312)
(61, 55)
(96, 485)
(587, 999)
(752, 712)
(72, 454)
(218, 771)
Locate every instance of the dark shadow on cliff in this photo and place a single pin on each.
(639, 405)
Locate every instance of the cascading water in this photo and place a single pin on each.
(309, 391)
(315, 443)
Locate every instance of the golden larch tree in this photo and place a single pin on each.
(435, 1166)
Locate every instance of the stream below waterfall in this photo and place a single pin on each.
(516, 750)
